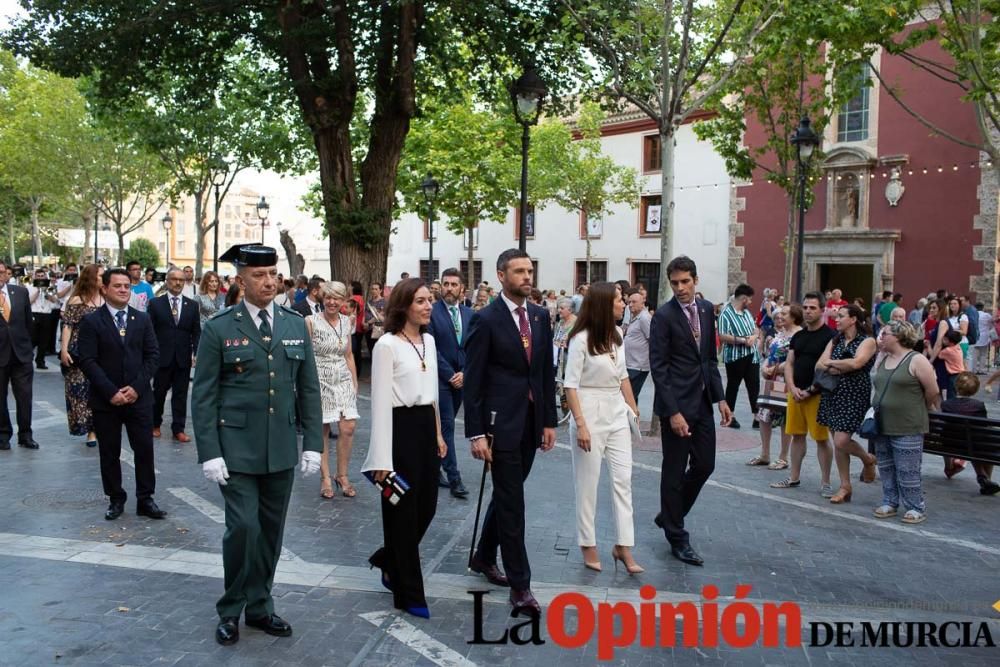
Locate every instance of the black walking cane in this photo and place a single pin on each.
(482, 487)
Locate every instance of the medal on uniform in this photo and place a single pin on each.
(246, 341)
(525, 341)
(121, 332)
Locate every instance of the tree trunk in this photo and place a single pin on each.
(471, 266)
(10, 238)
(791, 240)
(121, 242)
(199, 228)
(36, 241)
(86, 241)
(667, 152)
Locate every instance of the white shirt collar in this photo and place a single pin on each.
(255, 312)
(511, 306)
(114, 311)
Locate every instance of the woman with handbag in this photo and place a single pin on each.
(906, 388)
(848, 357)
(772, 401)
(374, 309)
(601, 401)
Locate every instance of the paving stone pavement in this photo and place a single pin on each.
(131, 608)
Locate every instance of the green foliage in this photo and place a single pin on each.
(143, 251)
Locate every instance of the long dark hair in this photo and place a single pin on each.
(87, 284)
(400, 300)
(597, 318)
(860, 320)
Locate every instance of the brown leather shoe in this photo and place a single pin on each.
(488, 570)
(182, 437)
(524, 603)
(156, 432)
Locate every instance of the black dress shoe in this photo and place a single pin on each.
(458, 490)
(489, 570)
(755, 424)
(733, 423)
(114, 511)
(443, 481)
(4, 444)
(150, 509)
(658, 520)
(41, 367)
(524, 603)
(29, 443)
(685, 553)
(227, 632)
(272, 625)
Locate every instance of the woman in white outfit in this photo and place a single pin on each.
(338, 382)
(600, 398)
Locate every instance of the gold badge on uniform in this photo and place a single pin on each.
(246, 341)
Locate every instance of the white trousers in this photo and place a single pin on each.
(981, 359)
(610, 440)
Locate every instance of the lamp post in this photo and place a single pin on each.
(262, 210)
(220, 170)
(430, 188)
(167, 223)
(527, 94)
(805, 142)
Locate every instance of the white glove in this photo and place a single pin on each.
(215, 471)
(310, 463)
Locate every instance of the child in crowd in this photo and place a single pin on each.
(951, 354)
(967, 386)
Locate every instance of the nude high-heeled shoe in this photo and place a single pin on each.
(594, 565)
(618, 555)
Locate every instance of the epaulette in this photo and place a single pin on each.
(225, 311)
(290, 311)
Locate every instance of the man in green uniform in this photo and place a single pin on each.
(255, 364)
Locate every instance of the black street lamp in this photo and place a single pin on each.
(430, 188)
(527, 94)
(220, 171)
(263, 208)
(805, 141)
(167, 223)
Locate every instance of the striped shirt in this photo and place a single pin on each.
(741, 325)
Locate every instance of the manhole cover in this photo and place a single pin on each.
(58, 499)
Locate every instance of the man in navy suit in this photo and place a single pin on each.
(685, 369)
(449, 324)
(15, 360)
(177, 325)
(509, 373)
(117, 352)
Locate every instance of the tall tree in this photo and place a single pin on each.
(474, 155)
(574, 173)
(337, 60)
(668, 58)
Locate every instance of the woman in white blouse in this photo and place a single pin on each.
(406, 438)
(600, 398)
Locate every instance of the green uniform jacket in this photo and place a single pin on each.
(245, 392)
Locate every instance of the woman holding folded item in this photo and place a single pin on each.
(601, 401)
(406, 438)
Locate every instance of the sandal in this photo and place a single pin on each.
(345, 486)
(758, 461)
(326, 489)
(778, 464)
(884, 511)
(786, 483)
(913, 516)
(868, 473)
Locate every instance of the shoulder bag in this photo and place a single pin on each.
(871, 427)
(377, 328)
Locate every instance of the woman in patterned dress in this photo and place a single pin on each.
(338, 380)
(787, 321)
(210, 299)
(849, 356)
(85, 299)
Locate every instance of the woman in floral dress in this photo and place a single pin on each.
(338, 381)
(85, 299)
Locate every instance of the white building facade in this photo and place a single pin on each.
(624, 245)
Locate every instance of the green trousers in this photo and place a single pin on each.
(256, 506)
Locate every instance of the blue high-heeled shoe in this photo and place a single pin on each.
(422, 612)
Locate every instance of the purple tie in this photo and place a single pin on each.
(522, 319)
(693, 319)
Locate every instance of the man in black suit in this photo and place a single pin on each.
(449, 324)
(15, 360)
(685, 370)
(313, 303)
(509, 372)
(118, 353)
(177, 325)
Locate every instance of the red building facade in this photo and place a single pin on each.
(898, 207)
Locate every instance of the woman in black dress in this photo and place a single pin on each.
(848, 356)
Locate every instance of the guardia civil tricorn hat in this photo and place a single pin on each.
(250, 254)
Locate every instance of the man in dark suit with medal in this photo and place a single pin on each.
(177, 324)
(255, 367)
(117, 351)
(15, 360)
(508, 371)
(684, 366)
(449, 324)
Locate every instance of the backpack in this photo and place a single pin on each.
(972, 333)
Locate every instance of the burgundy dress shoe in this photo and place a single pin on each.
(488, 570)
(182, 437)
(524, 603)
